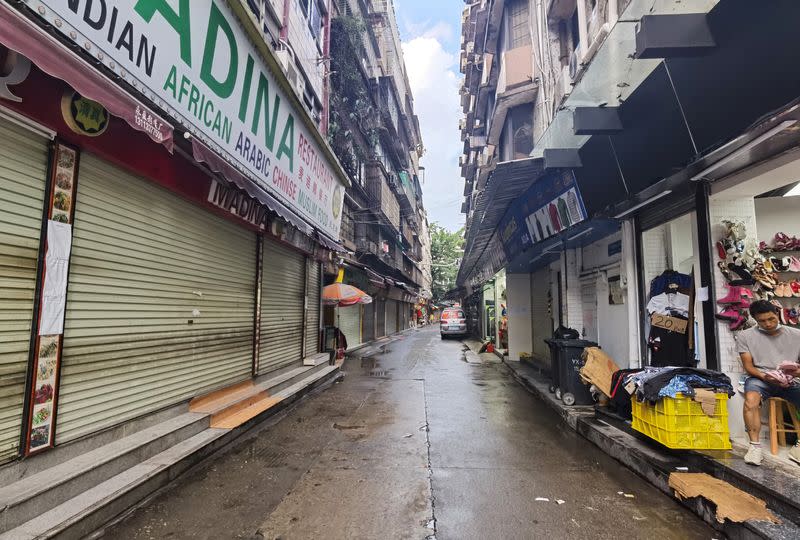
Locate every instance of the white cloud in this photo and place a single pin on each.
(435, 82)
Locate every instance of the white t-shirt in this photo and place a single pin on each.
(669, 304)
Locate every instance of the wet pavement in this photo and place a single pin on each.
(414, 442)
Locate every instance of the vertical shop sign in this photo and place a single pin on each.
(52, 303)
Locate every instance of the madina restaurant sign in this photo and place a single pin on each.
(197, 63)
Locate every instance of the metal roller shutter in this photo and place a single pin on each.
(283, 292)
(160, 302)
(380, 312)
(23, 169)
(589, 304)
(313, 308)
(391, 317)
(369, 322)
(541, 318)
(349, 321)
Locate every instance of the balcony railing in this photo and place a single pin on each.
(379, 191)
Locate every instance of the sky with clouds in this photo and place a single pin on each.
(431, 35)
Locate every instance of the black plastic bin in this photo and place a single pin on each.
(554, 368)
(573, 390)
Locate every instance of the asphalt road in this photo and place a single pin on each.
(414, 442)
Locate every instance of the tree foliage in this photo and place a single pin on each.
(446, 252)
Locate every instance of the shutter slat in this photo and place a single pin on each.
(282, 295)
(23, 171)
(143, 261)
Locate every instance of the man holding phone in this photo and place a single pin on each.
(762, 348)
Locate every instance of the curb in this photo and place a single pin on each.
(655, 465)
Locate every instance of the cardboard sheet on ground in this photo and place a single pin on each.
(732, 503)
(598, 368)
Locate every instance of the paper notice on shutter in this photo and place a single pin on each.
(59, 245)
(52, 320)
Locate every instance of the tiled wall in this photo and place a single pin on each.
(741, 209)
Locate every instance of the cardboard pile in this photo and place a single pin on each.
(732, 503)
(598, 368)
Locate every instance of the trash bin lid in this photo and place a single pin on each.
(582, 343)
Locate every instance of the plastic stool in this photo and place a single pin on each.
(777, 424)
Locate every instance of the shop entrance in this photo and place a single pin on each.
(671, 322)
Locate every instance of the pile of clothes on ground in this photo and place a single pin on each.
(652, 383)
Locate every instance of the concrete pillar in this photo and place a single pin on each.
(520, 335)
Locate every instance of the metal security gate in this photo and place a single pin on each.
(312, 308)
(405, 315)
(369, 322)
(349, 322)
(391, 317)
(23, 169)
(541, 315)
(380, 318)
(589, 304)
(283, 293)
(160, 302)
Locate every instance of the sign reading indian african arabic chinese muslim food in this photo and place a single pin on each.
(196, 62)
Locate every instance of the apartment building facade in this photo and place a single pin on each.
(606, 143)
(376, 135)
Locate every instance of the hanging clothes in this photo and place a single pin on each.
(674, 304)
(669, 281)
(668, 348)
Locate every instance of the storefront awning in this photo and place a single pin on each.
(203, 154)
(508, 181)
(544, 253)
(52, 57)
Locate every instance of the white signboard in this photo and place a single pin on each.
(194, 60)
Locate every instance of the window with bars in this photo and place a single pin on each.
(518, 33)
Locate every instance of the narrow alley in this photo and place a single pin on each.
(356, 461)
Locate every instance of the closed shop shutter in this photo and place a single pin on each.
(380, 318)
(589, 305)
(369, 322)
(542, 321)
(312, 311)
(350, 324)
(282, 295)
(160, 302)
(23, 169)
(391, 317)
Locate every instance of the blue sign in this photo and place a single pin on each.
(551, 205)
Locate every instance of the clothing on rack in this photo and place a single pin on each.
(674, 304)
(668, 348)
(661, 283)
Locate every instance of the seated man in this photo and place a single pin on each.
(762, 348)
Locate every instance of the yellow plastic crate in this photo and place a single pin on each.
(681, 423)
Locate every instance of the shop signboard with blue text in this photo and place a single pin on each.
(195, 61)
